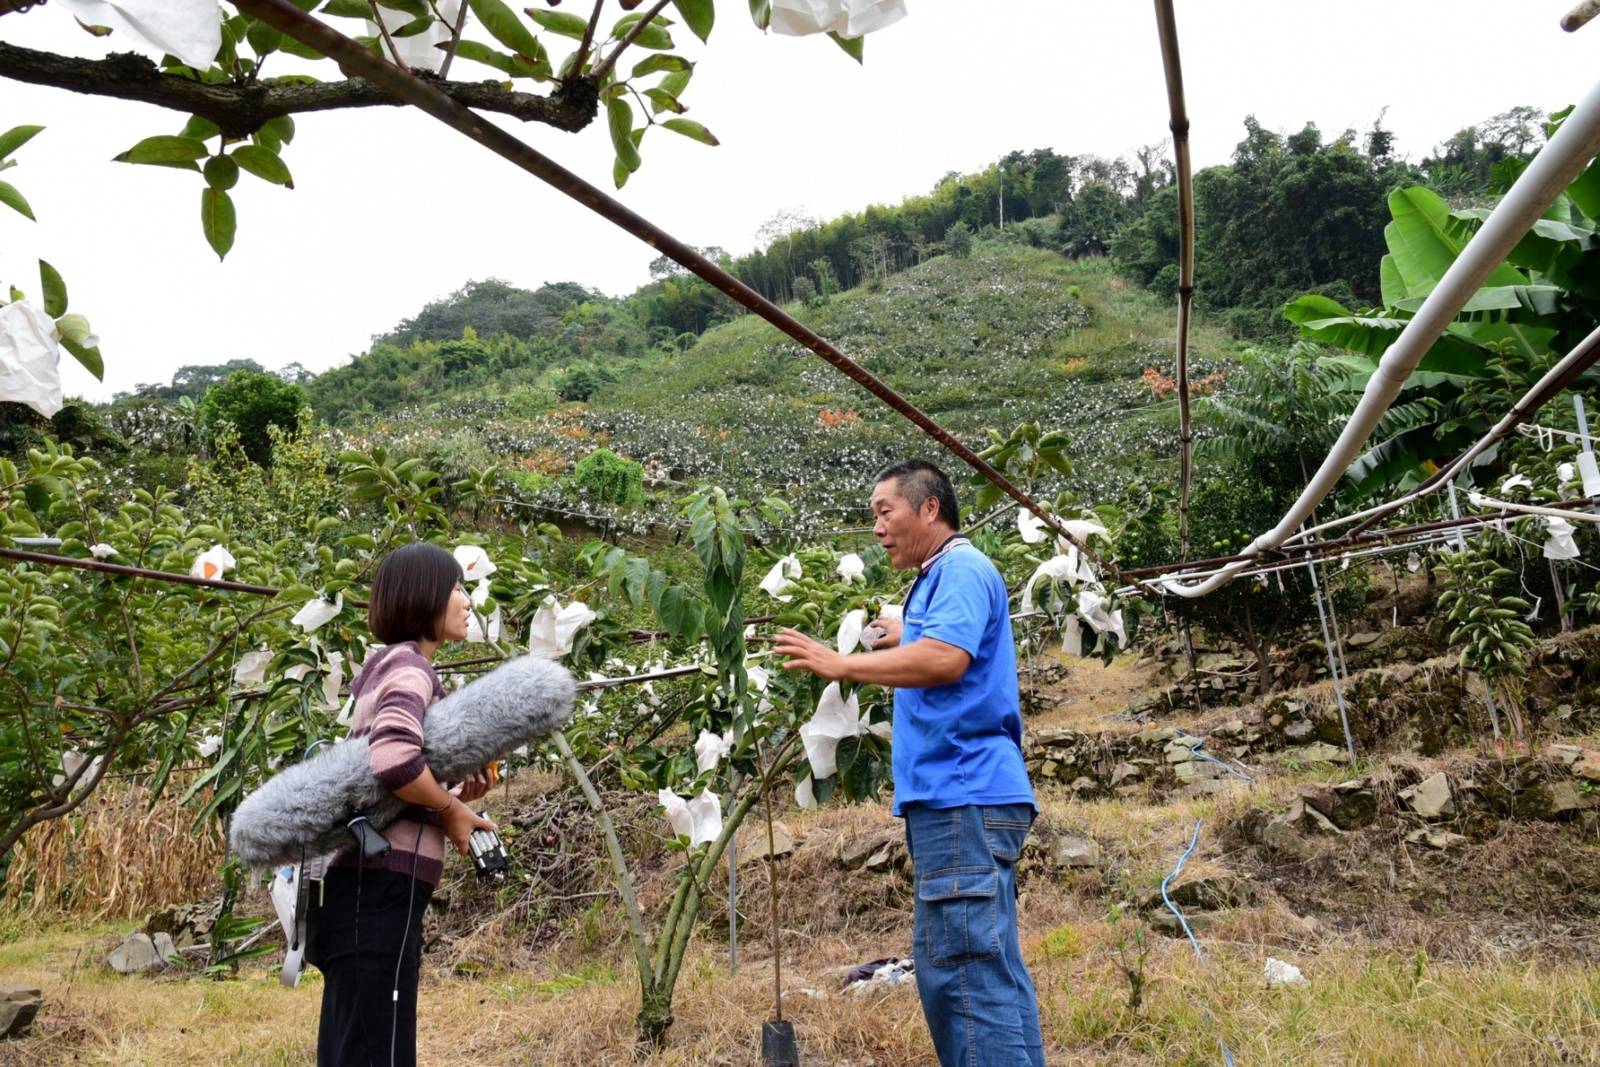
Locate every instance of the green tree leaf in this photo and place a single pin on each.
(761, 13)
(559, 22)
(89, 357)
(11, 198)
(698, 15)
(619, 119)
(854, 47)
(264, 39)
(676, 82)
(691, 129)
(55, 290)
(661, 100)
(165, 150)
(221, 172)
(264, 164)
(217, 219)
(660, 62)
(282, 127)
(515, 66)
(504, 26)
(16, 137)
(653, 36)
(200, 128)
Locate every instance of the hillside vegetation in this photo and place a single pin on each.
(1010, 334)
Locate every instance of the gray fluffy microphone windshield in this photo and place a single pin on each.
(302, 810)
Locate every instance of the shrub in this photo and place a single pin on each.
(607, 476)
(251, 401)
(958, 240)
(530, 482)
(805, 291)
(580, 382)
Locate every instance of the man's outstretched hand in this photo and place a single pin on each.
(807, 654)
(891, 627)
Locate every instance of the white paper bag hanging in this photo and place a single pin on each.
(30, 358)
(189, 29)
(1590, 473)
(848, 18)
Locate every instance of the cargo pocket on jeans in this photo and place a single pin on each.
(959, 918)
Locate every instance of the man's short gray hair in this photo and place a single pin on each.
(917, 480)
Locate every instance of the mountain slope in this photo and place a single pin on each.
(1009, 335)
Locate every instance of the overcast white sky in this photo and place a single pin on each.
(392, 210)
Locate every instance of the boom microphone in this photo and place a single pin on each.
(303, 809)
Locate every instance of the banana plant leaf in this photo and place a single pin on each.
(1530, 340)
(1551, 247)
(1405, 453)
(1537, 300)
(1323, 319)
(1423, 244)
(1585, 192)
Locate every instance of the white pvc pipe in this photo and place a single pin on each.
(1478, 500)
(1552, 170)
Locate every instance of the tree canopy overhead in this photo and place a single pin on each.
(558, 68)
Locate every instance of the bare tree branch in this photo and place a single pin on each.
(455, 41)
(241, 109)
(383, 28)
(633, 32)
(582, 53)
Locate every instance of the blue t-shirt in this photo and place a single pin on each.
(961, 743)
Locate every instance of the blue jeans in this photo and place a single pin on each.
(976, 993)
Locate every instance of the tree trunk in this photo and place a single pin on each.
(652, 1023)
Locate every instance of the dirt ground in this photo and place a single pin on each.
(1481, 956)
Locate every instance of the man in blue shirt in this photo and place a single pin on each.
(959, 780)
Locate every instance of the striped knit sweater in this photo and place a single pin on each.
(392, 693)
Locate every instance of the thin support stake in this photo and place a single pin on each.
(1333, 663)
(1178, 123)
(1561, 597)
(733, 910)
(1583, 428)
(1488, 693)
(733, 888)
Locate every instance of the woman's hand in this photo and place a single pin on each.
(473, 788)
(458, 821)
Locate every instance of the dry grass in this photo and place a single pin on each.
(522, 976)
(1363, 1006)
(115, 857)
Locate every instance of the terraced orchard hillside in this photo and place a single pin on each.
(1008, 335)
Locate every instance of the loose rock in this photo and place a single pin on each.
(136, 954)
(1437, 839)
(1075, 852)
(18, 1006)
(1430, 798)
(1318, 752)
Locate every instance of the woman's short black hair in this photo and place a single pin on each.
(410, 592)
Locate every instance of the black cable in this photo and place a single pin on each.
(405, 934)
(355, 940)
